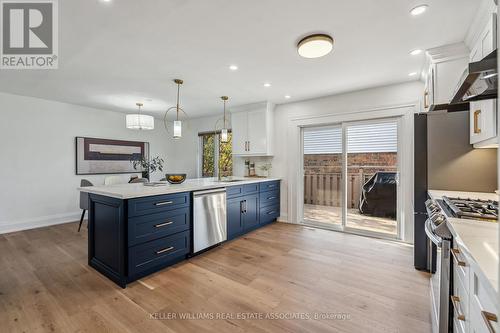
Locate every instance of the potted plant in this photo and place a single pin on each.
(148, 166)
(265, 169)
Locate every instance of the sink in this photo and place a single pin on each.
(229, 180)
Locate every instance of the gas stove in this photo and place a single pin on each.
(476, 209)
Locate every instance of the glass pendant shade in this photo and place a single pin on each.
(223, 135)
(177, 129)
(140, 121)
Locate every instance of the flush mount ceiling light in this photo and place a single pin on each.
(419, 10)
(415, 52)
(412, 74)
(267, 84)
(288, 96)
(233, 67)
(140, 121)
(175, 126)
(315, 46)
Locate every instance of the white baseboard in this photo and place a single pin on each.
(43, 221)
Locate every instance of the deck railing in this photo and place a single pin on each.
(325, 188)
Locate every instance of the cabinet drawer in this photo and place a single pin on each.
(271, 198)
(459, 304)
(269, 214)
(158, 252)
(236, 191)
(482, 302)
(269, 186)
(148, 227)
(461, 265)
(157, 204)
(250, 188)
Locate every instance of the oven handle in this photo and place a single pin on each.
(428, 230)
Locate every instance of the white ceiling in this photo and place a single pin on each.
(115, 54)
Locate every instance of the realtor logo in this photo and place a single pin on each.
(29, 34)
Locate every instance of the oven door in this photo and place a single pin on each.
(434, 257)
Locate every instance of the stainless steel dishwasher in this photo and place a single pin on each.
(209, 218)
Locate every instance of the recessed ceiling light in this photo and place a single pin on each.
(416, 52)
(105, 0)
(288, 96)
(420, 9)
(267, 84)
(315, 46)
(412, 74)
(233, 67)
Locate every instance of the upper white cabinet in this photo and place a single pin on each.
(445, 65)
(252, 127)
(483, 114)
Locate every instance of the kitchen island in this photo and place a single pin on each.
(135, 230)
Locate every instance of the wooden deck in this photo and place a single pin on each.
(333, 215)
(279, 270)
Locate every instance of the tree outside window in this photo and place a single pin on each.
(210, 144)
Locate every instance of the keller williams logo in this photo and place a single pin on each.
(29, 38)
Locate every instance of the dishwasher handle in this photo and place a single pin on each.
(214, 191)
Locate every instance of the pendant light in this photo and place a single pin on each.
(177, 123)
(224, 130)
(140, 121)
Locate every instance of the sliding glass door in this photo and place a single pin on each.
(351, 178)
(323, 190)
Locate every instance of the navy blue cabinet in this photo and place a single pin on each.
(251, 213)
(235, 210)
(129, 239)
(251, 206)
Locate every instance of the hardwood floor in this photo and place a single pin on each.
(279, 270)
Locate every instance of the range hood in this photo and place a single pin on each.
(479, 81)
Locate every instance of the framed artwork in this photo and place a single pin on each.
(103, 156)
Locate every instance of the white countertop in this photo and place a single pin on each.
(129, 191)
(478, 238)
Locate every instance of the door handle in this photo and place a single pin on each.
(454, 254)
(248, 145)
(163, 224)
(454, 301)
(477, 128)
(488, 318)
(242, 209)
(165, 250)
(163, 203)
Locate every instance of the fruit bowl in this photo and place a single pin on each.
(175, 178)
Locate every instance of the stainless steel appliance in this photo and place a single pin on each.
(209, 218)
(477, 209)
(439, 243)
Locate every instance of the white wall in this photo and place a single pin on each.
(285, 158)
(37, 157)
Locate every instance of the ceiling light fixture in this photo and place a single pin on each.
(139, 121)
(416, 52)
(315, 46)
(288, 96)
(224, 130)
(233, 67)
(179, 115)
(267, 84)
(412, 74)
(419, 10)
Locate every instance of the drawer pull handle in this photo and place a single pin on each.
(270, 186)
(165, 250)
(455, 300)
(271, 212)
(477, 129)
(454, 253)
(271, 198)
(163, 224)
(488, 318)
(164, 203)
